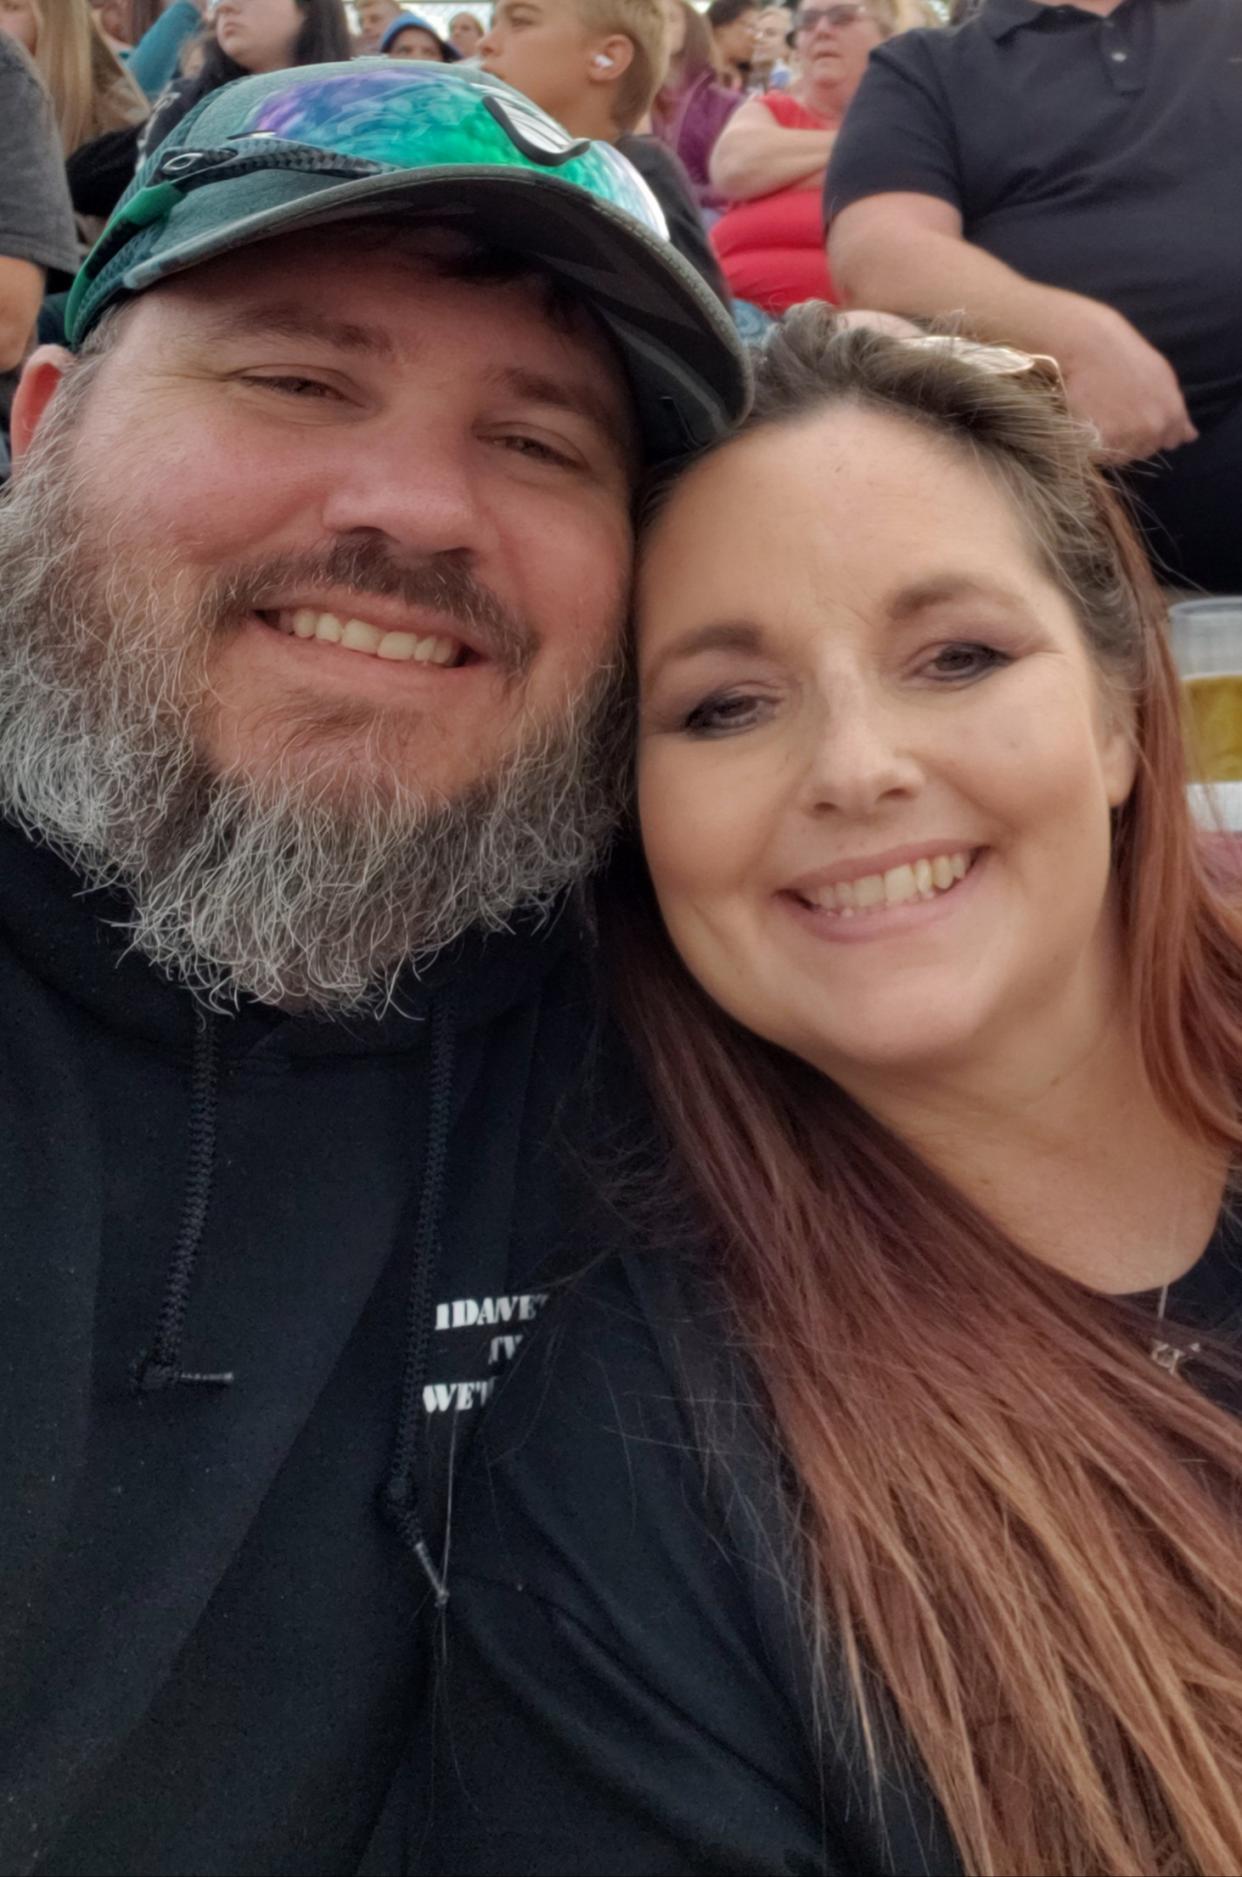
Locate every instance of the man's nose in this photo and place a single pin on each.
(416, 489)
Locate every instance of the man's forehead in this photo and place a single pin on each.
(365, 277)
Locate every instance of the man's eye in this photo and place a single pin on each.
(720, 715)
(537, 450)
(958, 664)
(289, 385)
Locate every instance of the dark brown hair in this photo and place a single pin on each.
(323, 39)
(1021, 1534)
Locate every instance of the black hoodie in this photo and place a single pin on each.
(259, 1275)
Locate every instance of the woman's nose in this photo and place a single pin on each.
(858, 756)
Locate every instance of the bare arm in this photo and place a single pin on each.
(755, 155)
(907, 254)
(21, 290)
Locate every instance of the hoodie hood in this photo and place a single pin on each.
(72, 936)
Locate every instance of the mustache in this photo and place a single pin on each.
(444, 584)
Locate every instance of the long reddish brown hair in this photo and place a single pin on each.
(1022, 1535)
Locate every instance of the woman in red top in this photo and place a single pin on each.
(772, 154)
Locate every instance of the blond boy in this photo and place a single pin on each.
(596, 65)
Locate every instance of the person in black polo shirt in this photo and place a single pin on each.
(1068, 176)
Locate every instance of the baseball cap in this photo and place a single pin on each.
(298, 149)
(400, 24)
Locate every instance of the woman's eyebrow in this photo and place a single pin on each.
(725, 635)
(948, 589)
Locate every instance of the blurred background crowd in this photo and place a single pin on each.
(923, 159)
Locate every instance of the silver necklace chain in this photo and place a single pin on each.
(1164, 1354)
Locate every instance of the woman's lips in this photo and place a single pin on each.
(901, 899)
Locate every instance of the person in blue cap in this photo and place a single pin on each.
(314, 569)
(410, 36)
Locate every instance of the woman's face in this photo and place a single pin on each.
(260, 34)
(18, 21)
(113, 16)
(465, 33)
(834, 43)
(413, 43)
(876, 765)
(735, 42)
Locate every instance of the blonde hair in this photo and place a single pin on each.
(90, 88)
(645, 24)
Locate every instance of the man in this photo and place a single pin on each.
(595, 66)
(313, 572)
(374, 18)
(36, 219)
(1068, 177)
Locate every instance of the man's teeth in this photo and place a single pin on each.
(356, 635)
(920, 879)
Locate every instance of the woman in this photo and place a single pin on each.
(771, 158)
(732, 24)
(248, 36)
(96, 102)
(465, 34)
(91, 91)
(941, 1011)
(692, 107)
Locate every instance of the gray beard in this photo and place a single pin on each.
(311, 888)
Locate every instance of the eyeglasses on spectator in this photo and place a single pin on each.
(836, 16)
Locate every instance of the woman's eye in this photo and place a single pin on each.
(959, 663)
(717, 716)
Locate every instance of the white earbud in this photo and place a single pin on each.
(602, 62)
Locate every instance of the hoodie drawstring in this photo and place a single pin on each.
(400, 1492)
(160, 1367)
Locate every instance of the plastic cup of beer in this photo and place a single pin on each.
(1207, 644)
(1206, 637)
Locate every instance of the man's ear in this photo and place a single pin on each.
(41, 374)
(610, 59)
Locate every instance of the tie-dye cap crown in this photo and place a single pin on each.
(457, 149)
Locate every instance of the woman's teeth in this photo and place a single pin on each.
(356, 635)
(919, 879)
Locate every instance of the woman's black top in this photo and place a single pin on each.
(100, 171)
(625, 1687)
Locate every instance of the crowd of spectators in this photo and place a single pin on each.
(1055, 177)
(771, 159)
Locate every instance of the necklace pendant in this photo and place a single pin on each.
(1170, 1356)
